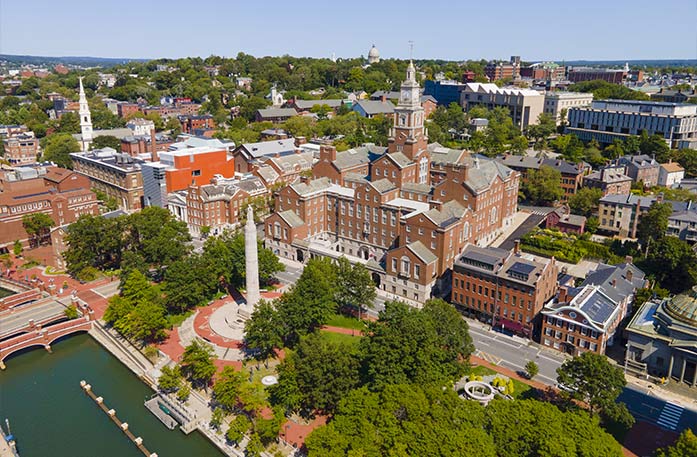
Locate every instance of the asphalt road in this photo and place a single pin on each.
(648, 408)
(20, 317)
(514, 352)
(531, 222)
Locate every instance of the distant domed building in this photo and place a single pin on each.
(662, 339)
(373, 55)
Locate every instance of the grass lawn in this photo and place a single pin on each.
(338, 320)
(520, 389)
(175, 320)
(340, 337)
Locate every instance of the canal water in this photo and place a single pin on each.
(51, 416)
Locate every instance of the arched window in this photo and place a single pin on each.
(493, 215)
(466, 230)
(402, 119)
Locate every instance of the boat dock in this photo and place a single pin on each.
(123, 426)
(154, 407)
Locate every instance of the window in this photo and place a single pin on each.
(394, 265)
(196, 173)
(417, 271)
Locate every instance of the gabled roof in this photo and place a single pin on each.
(372, 107)
(399, 159)
(358, 156)
(383, 185)
(268, 174)
(441, 154)
(605, 275)
(416, 188)
(307, 188)
(288, 163)
(277, 112)
(422, 252)
(308, 104)
(672, 167)
(291, 218)
(448, 214)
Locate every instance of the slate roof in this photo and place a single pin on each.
(277, 112)
(306, 188)
(482, 171)
(645, 201)
(383, 185)
(604, 275)
(358, 156)
(441, 154)
(268, 174)
(253, 186)
(372, 107)
(527, 162)
(287, 163)
(291, 218)
(308, 104)
(422, 252)
(400, 159)
(416, 188)
(448, 214)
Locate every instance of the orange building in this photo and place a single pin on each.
(177, 170)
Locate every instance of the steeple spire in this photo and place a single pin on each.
(85, 119)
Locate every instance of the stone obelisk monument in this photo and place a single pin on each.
(251, 260)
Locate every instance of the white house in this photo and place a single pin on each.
(670, 174)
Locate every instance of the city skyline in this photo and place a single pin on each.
(145, 31)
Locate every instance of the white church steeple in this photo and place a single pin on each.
(85, 119)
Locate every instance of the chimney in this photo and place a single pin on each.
(602, 174)
(327, 152)
(300, 140)
(614, 282)
(516, 247)
(659, 197)
(628, 259)
(383, 98)
(563, 294)
(153, 146)
(629, 275)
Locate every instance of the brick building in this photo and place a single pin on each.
(586, 318)
(641, 168)
(21, 149)
(62, 194)
(142, 144)
(571, 174)
(611, 180)
(405, 211)
(503, 287)
(116, 174)
(191, 123)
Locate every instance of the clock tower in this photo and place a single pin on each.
(408, 135)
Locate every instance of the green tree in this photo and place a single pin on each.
(684, 446)
(197, 363)
(585, 201)
(263, 331)
(227, 387)
(310, 302)
(316, 375)
(69, 123)
(96, 242)
(106, 141)
(189, 282)
(184, 392)
(592, 379)
(38, 227)
(654, 223)
(57, 149)
(238, 428)
(170, 379)
(673, 263)
(174, 126)
(355, 287)
(531, 369)
(543, 186)
(431, 345)
(71, 312)
(17, 248)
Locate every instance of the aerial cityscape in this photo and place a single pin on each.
(264, 232)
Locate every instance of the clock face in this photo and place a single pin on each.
(405, 94)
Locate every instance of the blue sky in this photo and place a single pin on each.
(454, 29)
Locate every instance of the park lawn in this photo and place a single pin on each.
(339, 320)
(519, 388)
(340, 337)
(175, 320)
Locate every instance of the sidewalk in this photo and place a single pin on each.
(660, 392)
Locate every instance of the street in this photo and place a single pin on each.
(12, 321)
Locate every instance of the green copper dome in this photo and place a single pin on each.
(683, 307)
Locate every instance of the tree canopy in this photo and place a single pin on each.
(592, 379)
(543, 186)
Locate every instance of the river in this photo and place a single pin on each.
(50, 415)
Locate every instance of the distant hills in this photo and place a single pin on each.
(82, 61)
(87, 61)
(636, 63)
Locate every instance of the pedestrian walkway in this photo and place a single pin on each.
(670, 416)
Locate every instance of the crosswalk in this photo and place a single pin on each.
(670, 416)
